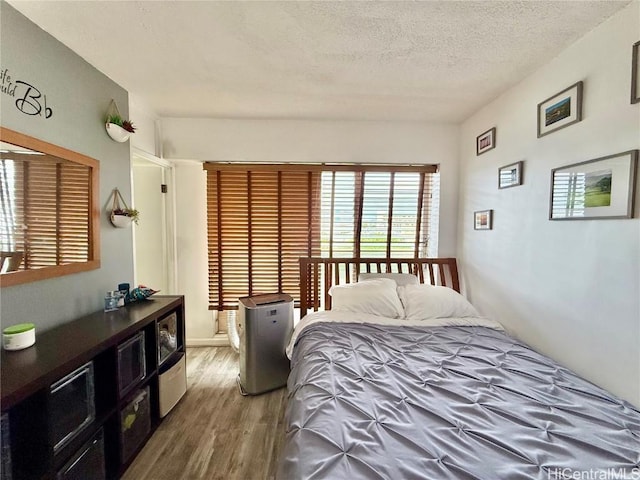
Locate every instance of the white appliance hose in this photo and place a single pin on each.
(232, 331)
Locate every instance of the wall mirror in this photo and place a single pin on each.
(49, 213)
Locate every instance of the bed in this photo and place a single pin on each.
(435, 391)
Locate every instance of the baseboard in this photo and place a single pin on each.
(218, 340)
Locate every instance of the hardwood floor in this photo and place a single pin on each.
(214, 432)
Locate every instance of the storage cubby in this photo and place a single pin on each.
(132, 363)
(71, 406)
(88, 463)
(168, 338)
(135, 423)
(82, 402)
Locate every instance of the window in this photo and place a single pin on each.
(372, 214)
(262, 218)
(259, 222)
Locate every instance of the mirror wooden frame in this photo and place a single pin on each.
(25, 276)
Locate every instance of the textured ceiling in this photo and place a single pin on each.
(428, 61)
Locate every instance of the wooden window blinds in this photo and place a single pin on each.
(262, 218)
(260, 221)
(49, 202)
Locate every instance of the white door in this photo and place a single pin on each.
(152, 236)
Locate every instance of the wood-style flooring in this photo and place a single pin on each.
(214, 432)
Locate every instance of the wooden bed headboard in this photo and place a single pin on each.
(318, 275)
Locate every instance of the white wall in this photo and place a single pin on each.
(570, 289)
(294, 141)
(191, 245)
(325, 141)
(144, 119)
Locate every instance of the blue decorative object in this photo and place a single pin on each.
(139, 293)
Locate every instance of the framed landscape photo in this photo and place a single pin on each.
(486, 141)
(510, 175)
(595, 189)
(560, 110)
(483, 220)
(635, 73)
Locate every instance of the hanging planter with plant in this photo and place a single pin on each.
(122, 215)
(117, 127)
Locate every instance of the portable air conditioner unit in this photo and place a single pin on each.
(265, 324)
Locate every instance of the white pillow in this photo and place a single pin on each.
(422, 302)
(376, 297)
(400, 278)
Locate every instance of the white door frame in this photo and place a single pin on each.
(169, 235)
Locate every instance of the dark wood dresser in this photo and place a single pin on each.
(88, 392)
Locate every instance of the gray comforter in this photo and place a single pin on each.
(403, 402)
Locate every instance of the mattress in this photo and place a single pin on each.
(446, 402)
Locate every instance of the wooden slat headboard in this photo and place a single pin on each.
(318, 275)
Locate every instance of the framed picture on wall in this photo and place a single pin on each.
(510, 175)
(560, 110)
(483, 220)
(635, 73)
(486, 141)
(595, 189)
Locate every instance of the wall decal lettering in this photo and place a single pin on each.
(29, 99)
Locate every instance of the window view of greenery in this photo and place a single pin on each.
(340, 193)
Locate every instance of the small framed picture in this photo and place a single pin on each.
(483, 220)
(510, 175)
(560, 110)
(486, 141)
(599, 188)
(635, 73)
